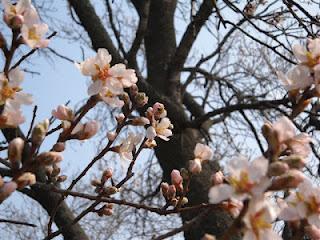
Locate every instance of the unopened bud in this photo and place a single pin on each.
(277, 168)
(6, 190)
(120, 118)
(141, 99)
(106, 175)
(140, 121)
(195, 166)
(159, 111)
(25, 179)
(295, 161)
(63, 113)
(184, 174)
(176, 179)
(110, 190)
(174, 202)
(164, 189)
(184, 201)
(289, 180)
(59, 147)
(48, 158)
(56, 170)
(217, 178)
(15, 22)
(39, 132)
(171, 192)
(15, 150)
(134, 90)
(61, 178)
(89, 130)
(95, 182)
(111, 136)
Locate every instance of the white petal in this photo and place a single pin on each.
(220, 193)
(95, 88)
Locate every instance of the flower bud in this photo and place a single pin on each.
(15, 150)
(184, 201)
(25, 179)
(120, 118)
(208, 237)
(289, 180)
(295, 161)
(6, 190)
(141, 99)
(313, 232)
(195, 166)
(176, 179)
(174, 202)
(164, 189)
(140, 121)
(277, 168)
(48, 158)
(106, 175)
(150, 144)
(61, 178)
(217, 178)
(59, 147)
(95, 182)
(159, 111)
(171, 192)
(110, 190)
(111, 136)
(89, 130)
(184, 174)
(134, 90)
(63, 113)
(55, 170)
(39, 132)
(14, 22)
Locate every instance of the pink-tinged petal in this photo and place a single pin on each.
(269, 234)
(151, 133)
(95, 88)
(299, 77)
(237, 163)
(220, 193)
(261, 187)
(103, 58)
(16, 77)
(258, 168)
(23, 98)
(78, 128)
(203, 152)
(300, 53)
(113, 102)
(314, 47)
(284, 128)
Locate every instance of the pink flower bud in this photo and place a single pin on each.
(134, 90)
(48, 158)
(176, 179)
(289, 180)
(61, 178)
(106, 175)
(15, 150)
(217, 178)
(111, 136)
(59, 147)
(277, 168)
(6, 190)
(195, 166)
(171, 192)
(63, 113)
(25, 179)
(159, 111)
(164, 189)
(313, 232)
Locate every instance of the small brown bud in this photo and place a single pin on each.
(295, 161)
(141, 99)
(59, 147)
(110, 190)
(61, 178)
(39, 132)
(25, 179)
(277, 168)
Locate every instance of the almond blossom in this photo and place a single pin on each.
(33, 35)
(10, 90)
(11, 117)
(282, 136)
(128, 144)
(297, 78)
(16, 15)
(258, 220)
(201, 153)
(63, 113)
(161, 128)
(107, 81)
(302, 204)
(245, 179)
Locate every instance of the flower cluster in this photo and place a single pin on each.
(250, 183)
(23, 17)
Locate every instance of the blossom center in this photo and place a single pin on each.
(258, 222)
(32, 34)
(7, 92)
(103, 73)
(242, 184)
